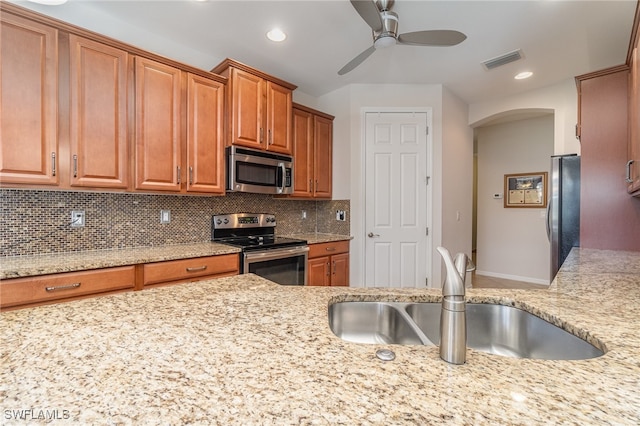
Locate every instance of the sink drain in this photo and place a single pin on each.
(385, 354)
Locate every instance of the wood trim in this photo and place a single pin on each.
(231, 63)
(633, 42)
(313, 111)
(602, 72)
(6, 7)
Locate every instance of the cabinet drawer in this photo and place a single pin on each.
(328, 249)
(183, 270)
(28, 290)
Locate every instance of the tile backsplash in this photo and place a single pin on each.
(38, 222)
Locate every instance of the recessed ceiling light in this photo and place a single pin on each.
(49, 2)
(276, 34)
(523, 75)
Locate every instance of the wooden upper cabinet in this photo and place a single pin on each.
(259, 108)
(278, 115)
(28, 102)
(323, 152)
(247, 113)
(98, 100)
(312, 140)
(205, 144)
(302, 135)
(158, 126)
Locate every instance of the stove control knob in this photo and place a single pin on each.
(218, 221)
(226, 221)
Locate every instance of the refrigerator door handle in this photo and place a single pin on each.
(549, 221)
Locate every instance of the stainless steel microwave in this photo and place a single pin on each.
(250, 170)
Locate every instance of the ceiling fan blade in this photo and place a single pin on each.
(432, 38)
(368, 10)
(357, 61)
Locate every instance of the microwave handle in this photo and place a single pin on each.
(282, 178)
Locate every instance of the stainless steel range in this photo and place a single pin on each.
(282, 260)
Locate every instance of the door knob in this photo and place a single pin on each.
(372, 235)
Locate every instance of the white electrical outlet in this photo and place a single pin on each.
(77, 218)
(341, 215)
(165, 216)
(304, 214)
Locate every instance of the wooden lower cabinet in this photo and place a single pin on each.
(196, 269)
(32, 291)
(45, 289)
(328, 264)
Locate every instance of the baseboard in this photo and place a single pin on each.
(513, 277)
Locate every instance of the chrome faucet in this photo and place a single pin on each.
(453, 319)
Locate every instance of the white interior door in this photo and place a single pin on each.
(396, 199)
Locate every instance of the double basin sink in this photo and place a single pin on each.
(496, 329)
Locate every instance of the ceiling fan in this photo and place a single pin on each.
(384, 23)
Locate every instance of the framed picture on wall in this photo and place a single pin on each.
(525, 190)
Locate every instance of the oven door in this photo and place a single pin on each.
(286, 266)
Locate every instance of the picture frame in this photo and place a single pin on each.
(525, 190)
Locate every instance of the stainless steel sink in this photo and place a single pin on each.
(372, 322)
(496, 329)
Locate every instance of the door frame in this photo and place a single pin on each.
(363, 184)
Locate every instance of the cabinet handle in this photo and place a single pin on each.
(270, 139)
(63, 287)
(261, 134)
(178, 173)
(334, 267)
(628, 176)
(330, 249)
(75, 165)
(199, 268)
(316, 185)
(310, 185)
(328, 269)
(53, 164)
(191, 175)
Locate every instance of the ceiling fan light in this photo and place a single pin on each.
(384, 41)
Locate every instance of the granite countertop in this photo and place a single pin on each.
(242, 350)
(27, 266)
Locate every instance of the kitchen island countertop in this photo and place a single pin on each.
(242, 350)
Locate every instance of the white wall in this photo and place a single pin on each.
(561, 99)
(457, 175)
(512, 242)
(347, 104)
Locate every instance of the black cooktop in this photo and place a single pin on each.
(262, 242)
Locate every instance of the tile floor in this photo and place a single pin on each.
(483, 281)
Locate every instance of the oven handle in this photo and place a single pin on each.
(264, 255)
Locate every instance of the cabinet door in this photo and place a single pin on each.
(302, 135)
(205, 147)
(279, 107)
(323, 152)
(247, 108)
(340, 270)
(158, 126)
(98, 100)
(633, 171)
(28, 102)
(319, 271)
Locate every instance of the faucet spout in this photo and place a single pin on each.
(453, 319)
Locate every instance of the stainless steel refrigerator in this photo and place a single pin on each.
(563, 209)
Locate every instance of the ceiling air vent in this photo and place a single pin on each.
(502, 59)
